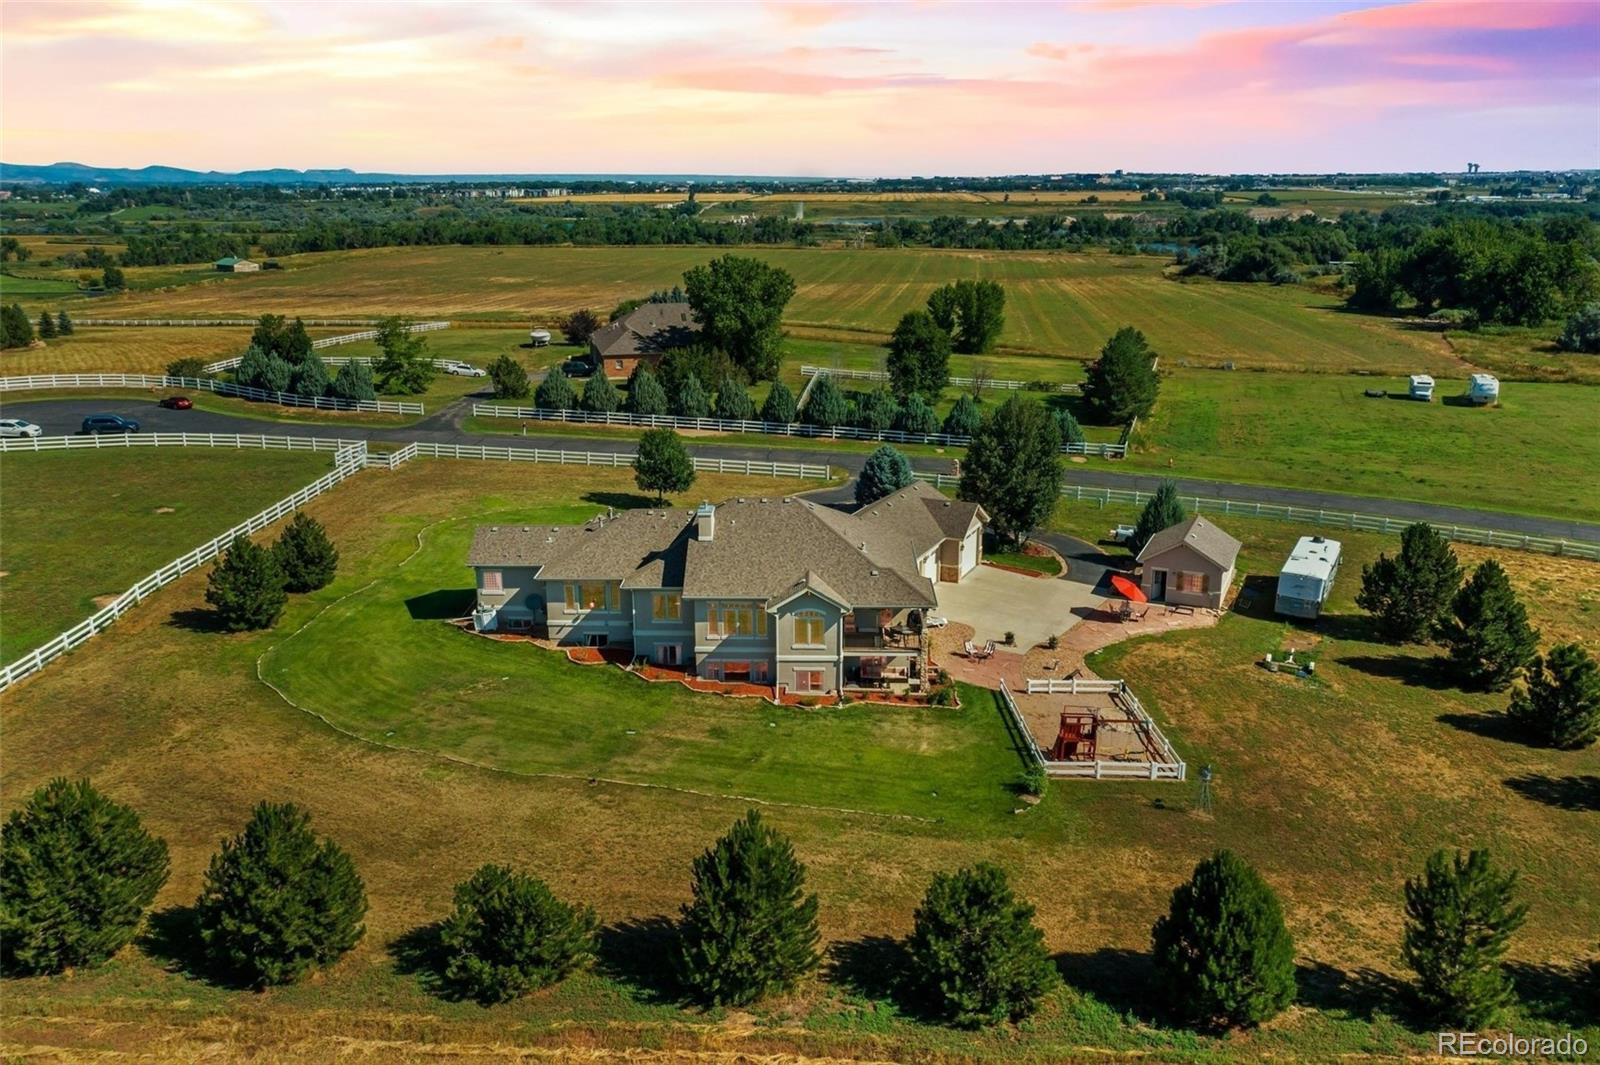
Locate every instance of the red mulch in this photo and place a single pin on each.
(599, 656)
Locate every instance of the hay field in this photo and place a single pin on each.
(131, 349)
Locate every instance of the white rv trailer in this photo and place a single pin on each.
(1307, 577)
(1421, 387)
(1483, 389)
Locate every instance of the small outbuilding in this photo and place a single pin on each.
(1307, 577)
(234, 265)
(1191, 563)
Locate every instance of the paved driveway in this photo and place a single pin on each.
(994, 601)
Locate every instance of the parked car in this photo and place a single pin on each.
(177, 403)
(109, 423)
(465, 369)
(18, 427)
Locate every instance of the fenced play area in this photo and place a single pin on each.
(1089, 729)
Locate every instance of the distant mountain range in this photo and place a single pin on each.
(64, 173)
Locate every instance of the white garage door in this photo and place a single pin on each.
(969, 552)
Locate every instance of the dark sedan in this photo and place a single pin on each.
(109, 423)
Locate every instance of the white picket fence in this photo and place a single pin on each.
(959, 382)
(34, 382)
(222, 365)
(727, 425)
(348, 460)
(1166, 765)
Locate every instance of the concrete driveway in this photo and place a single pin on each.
(994, 601)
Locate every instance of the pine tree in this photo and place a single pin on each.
(509, 377)
(877, 410)
(1408, 595)
(354, 382)
(750, 930)
(826, 406)
(555, 392)
(779, 405)
(1162, 511)
(305, 555)
(277, 901)
(64, 324)
(1487, 635)
(47, 326)
(310, 377)
(645, 394)
(663, 464)
(1071, 431)
(1013, 467)
(16, 331)
(964, 418)
(733, 401)
(509, 935)
(1122, 384)
(691, 400)
(976, 956)
(246, 587)
(1561, 704)
(886, 471)
(600, 396)
(1460, 915)
(404, 366)
(77, 872)
(916, 416)
(1223, 956)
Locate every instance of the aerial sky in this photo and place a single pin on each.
(819, 88)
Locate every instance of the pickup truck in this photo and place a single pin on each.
(1121, 534)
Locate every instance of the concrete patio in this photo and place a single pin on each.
(994, 601)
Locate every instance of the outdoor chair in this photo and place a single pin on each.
(988, 649)
(968, 650)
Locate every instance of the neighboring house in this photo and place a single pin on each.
(778, 591)
(232, 265)
(644, 334)
(1189, 563)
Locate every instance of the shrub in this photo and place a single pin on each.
(645, 394)
(509, 935)
(1011, 638)
(886, 471)
(877, 410)
(354, 382)
(1222, 954)
(976, 957)
(1488, 635)
(1162, 511)
(963, 419)
(1034, 780)
(1582, 331)
(310, 378)
(750, 929)
(189, 366)
(1408, 594)
(662, 464)
(510, 378)
(1460, 915)
(1071, 431)
(77, 872)
(733, 402)
(246, 587)
(305, 555)
(1561, 704)
(779, 405)
(277, 901)
(1053, 642)
(600, 396)
(555, 391)
(943, 694)
(691, 400)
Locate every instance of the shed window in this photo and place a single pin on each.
(491, 580)
(1193, 582)
(808, 629)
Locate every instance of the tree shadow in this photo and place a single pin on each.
(197, 619)
(1561, 994)
(1410, 670)
(639, 953)
(1352, 627)
(420, 953)
(1567, 793)
(443, 604)
(620, 500)
(873, 967)
(1491, 726)
(1123, 979)
(171, 937)
(1361, 994)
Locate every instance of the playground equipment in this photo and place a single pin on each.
(1078, 736)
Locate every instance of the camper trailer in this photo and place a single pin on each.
(538, 338)
(1307, 577)
(1483, 389)
(1421, 387)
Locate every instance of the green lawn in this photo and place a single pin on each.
(13, 287)
(1048, 565)
(81, 524)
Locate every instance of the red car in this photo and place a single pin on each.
(177, 403)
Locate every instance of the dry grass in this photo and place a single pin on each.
(129, 349)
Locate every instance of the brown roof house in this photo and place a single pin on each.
(644, 334)
(1189, 563)
(781, 591)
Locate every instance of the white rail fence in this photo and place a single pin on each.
(126, 440)
(1343, 519)
(428, 449)
(230, 363)
(34, 382)
(1164, 765)
(348, 460)
(215, 321)
(959, 382)
(727, 425)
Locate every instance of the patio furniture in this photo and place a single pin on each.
(988, 649)
(1053, 665)
(968, 650)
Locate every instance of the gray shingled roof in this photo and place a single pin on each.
(648, 329)
(1211, 542)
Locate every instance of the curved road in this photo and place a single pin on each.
(58, 416)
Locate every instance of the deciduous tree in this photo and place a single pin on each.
(662, 464)
(580, 325)
(972, 312)
(404, 367)
(740, 303)
(1122, 383)
(919, 356)
(510, 378)
(1013, 467)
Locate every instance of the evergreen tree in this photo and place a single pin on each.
(1223, 956)
(1162, 511)
(663, 464)
(277, 901)
(246, 587)
(964, 418)
(750, 929)
(919, 356)
(1071, 431)
(691, 400)
(16, 331)
(510, 378)
(555, 392)
(1013, 467)
(509, 935)
(876, 410)
(600, 396)
(354, 382)
(47, 326)
(1408, 595)
(975, 954)
(1561, 703)
(1487, 635)
(77, 872)
(64, 324)
(310, 378)
(645, 394)
(111, 279)
(779, 405)
(733, 402)
(404, 367)
(826, 406)
(296, 343)
(1460, 915)
(886, 471)
(305, 555)
(916, 416)
(1122, 383)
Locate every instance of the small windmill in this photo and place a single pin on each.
(1203, 800)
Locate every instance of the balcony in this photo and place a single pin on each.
(894, 640)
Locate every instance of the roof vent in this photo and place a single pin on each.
(873, 572)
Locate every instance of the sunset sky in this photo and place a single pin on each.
(803, 88)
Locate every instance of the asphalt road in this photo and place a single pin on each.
(57, 416)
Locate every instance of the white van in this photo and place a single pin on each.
(1307, 577)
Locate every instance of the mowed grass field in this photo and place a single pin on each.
(133, 349)
(1058, 304)
(1334, 790)
(1536, 452)
(81, 525)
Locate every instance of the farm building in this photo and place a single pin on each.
(1307, 577)
(1190, 564)
(234, 265)
(644, 334)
